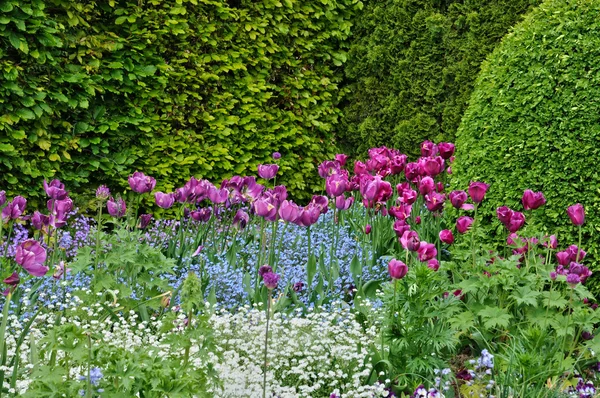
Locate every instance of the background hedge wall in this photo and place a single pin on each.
(534, 119)
(92, 91)
(412, 66)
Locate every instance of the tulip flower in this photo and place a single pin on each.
(412, 171)
(289, 211)
(102, 192)
(320, 202)
(504, 214)
(410, 240)
(458, 198)
(328, 168)
(31, 256)
(368, 229)
(144, 221)
(55, 190)
(418, 220)
(141, 183)
(433, 264)
(241, 219)
(426, 185)
(164, 200)
(446, 149)
(575, 253)
(202, 215)
(401, 212)
(477, 191)
(12, 281)
(446, 236)
(360, 168)
(335, 185)
(14, 209)
(409, 197)
(463, 224)
(264, 269)
(343, 204)
(439, 186)
(397, 164)
(59, 211)
(517, 220)
(116, 208)
(552, 242)
(432, 166)
(563, 258)
(428, 148)
(426, 251)
(400, 226)
(576, 214)
(59, 270)
(276, 155)
(270, 280)
(341, 159)
(533, 200)
(39, 220)
(2, 198)
(397, 269)
(435, 201)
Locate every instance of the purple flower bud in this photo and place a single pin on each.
(267, 171)
(141, 183)
(343, 204)
(458, 198)
(397, 269)
(2, 198)
(31, 256)
(298, 286)
(14, 209)
(102, 192)
(13, 280)
(341, 159)
(410, 240)
(576, 214)
(553, 275)
(573, 279)
(585, 335)
(164, 200)
(463, 224)
(55, 190)
(144, 220)
(116, 208)
(241, 219)
(446, 149)
(368, 229)
(446, 236)
(202, 215)
(433, 264)
(533, 200)
(477, 191)
(276, 155)
(264, 269)
(270, 280)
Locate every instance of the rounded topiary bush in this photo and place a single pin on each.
(534, 119)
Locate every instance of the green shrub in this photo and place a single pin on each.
(412, 65)
(92, 91)
(534, 119)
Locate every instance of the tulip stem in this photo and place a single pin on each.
(98, 230)
(266, 344)
(473, 234)
(2, 332)
(89, 369)
(578, 246)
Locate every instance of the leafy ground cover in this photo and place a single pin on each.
(380, 286)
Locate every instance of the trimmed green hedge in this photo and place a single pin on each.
(412, 66)
(92, 91)
(534, 119)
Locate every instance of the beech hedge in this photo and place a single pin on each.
(93, 91)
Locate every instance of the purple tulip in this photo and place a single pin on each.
(264, 269)
(13, 280)
(55, 190)
(446, 236)
(308, 215)
(426, 185)
(102, 192)
(217, 195)
(335, 185)
(116, 208)
(201, 215)
(264, 207)
(270, 280)
(573, 279)
(533, 200)
(368, 229)
(435, 201)
(31, 256)
(432, 166)
(400, 226)
(298, 286)
(397, 269)
(409, 197)
(241, 219)
(289, 211)
(433, 264)
(341, 159)
(164, 200)
(576, 214)
(144, 221)
(59, 211)
(397, 164)
(39, 220)
(267, 171)
(426, 251)
(552, 242)
(504, 214)
(343, 204)
(276, 155)
(446, 149)
(575, 253)
(320, 202)
(410, 241)
(458, 198)
(14, 209)
(585, 335)
(563, 258)
(412, 171)
(477, 191)
(517, 220)
(141, 183)
(463, 224)
(401, 212)
(360, 168)
(428, 148)
(2, 198)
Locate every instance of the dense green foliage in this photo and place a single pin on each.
(92, 91)
(412, 65)
(534, 119)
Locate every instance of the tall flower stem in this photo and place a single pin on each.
(578, 246)
(98, 230)
(473, 230)
(266, 344)
(2, 333)
(89, 369)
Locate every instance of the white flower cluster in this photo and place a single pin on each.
(321, 354)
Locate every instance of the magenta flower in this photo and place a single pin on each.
(552, 242)
(458, 198)
(428, 148)
(343, 204)
(446, 149)
(563, 258)
(264, 269)
(289, 211)
(426, 185)
(55, 190)
(426, 251)
(368, 229)
(359, 168)
(573, 279)
(241, 219)
(265, 208)
(335, 185)
(141, 183)
(435, 201)
(271, 280)
(533, 200)
(276, 155)
(517, 220)
(164, 200)
(433, 264)
(14, 209)
(202, 215)
(328, 168)
(320, 202)
(102, 192)
(412, 171)
(409, 197)
(267, 171)
(576, 214)
(397, 269)
(432, 166)
(39, 220)
(504, 214)
(477, 191)
(341, 159)
(463, 224)
(400, 226)
(397, 164)
(308, 215)
(144, 221)
(31, 256)
(418, 220)
(59, 211)
(401, 212)
(116, 208)
(2, 198)
(13, 280)
(446, 236)
(59, 270)
(575, 254)
(410, 240)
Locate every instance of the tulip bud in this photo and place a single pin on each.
(433, 264)
(463, 224)
(446, 236)
(271, 280)
(276, 155)
(397, 269)
(533, 200)
(368, 229)
(576, 214)
(410, 240)
(458, 198)
(477, 191)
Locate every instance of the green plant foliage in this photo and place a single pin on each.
(533, 121)
(412, 65)
(92, 91)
